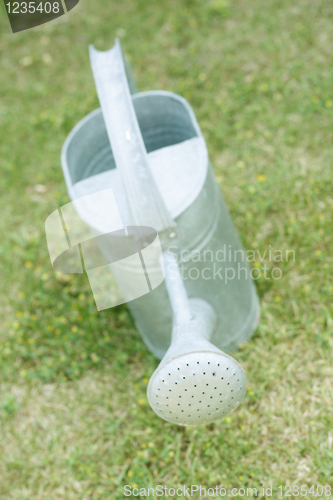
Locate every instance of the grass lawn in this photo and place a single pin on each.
(74, 419)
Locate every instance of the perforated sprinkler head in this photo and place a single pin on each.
(195, 383)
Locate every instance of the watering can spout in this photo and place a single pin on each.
(195, 383)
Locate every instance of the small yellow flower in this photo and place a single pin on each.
(171, 454)
(140, 453)
(74, 329)
(57, 331)
(228, 419)
(318, 252)
(47, 58)
(278, 298)
(251, 393)
(293, 220)
(81, 296)
(45, 276)
(261, 178)
(21, 295)
(134, 485)
(19, 314)
(140, 474)
(256, 264)
(79, 318)
(263, 87)
(145, 380)
(26, 61)
(23, 373)
(143, 445)
(130, 473)
(243, 428)
(28, 264)
(141, 401)
(31, 341)
(16, 325)
(252, 189)
(107, 339)
(51, 327)
(315, 99)
(151, 445)
(240, 478)
(328, 104)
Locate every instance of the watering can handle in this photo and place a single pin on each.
(113, 84)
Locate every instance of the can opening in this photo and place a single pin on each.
(164, 120)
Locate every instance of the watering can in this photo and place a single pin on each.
(146, 150)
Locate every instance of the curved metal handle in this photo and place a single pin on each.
(147, 207)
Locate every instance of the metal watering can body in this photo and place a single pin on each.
(204, 245)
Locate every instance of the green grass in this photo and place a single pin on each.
(75, 423)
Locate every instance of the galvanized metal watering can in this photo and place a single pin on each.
(148, 149)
